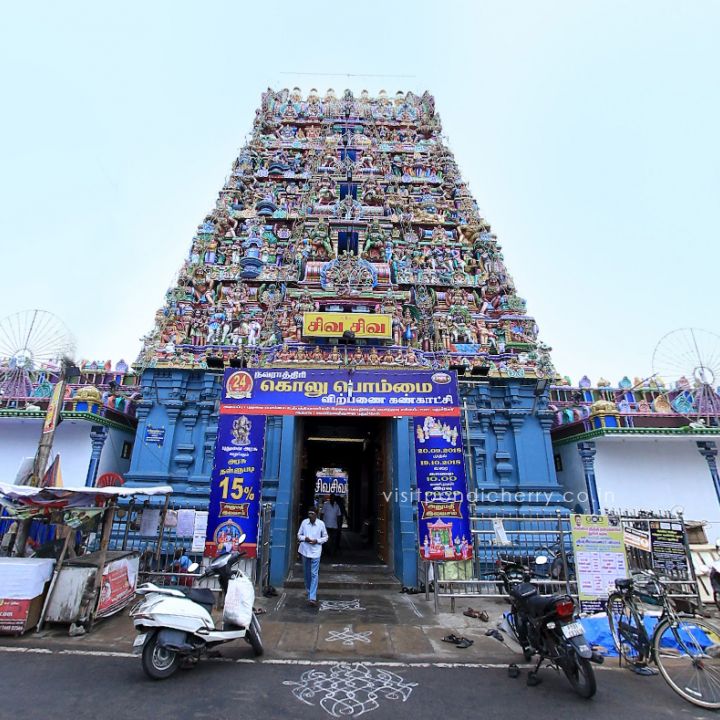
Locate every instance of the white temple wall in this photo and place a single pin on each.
(656, 473)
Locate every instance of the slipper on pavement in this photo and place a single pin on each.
(464, 643)
(454, 639)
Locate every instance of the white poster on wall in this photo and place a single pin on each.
(150, 522)
(185, 523)
(199, 531)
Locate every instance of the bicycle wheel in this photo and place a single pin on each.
(627, 630)
(687, 654)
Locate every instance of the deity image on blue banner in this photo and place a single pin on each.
(443, 517)
(241, 430)
(235, 485)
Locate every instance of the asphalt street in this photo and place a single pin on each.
(39, 685)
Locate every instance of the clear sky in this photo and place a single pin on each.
(588, 132)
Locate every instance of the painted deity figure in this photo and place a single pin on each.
(374, 243)
(321, 248)
(409, 329)
(254, 328)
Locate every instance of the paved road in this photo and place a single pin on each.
(37, 685)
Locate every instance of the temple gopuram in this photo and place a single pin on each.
(345, 240)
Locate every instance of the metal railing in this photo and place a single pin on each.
(161, 550)
(507, 537)
(522, 538)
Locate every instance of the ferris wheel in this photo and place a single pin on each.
(689, 360)
(32, 343)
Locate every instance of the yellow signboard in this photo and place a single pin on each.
(364, 325)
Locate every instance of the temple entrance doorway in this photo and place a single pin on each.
(352, 454)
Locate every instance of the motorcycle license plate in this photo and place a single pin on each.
(572, 630)
(139, 642)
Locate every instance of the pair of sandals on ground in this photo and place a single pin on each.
(461, 641)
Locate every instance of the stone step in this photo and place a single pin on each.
(348, 577)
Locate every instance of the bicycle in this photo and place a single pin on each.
(685, 648)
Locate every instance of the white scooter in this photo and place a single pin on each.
(175, 623)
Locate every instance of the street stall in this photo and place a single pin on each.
(23, 584)
(74, 587)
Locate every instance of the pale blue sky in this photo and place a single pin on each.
(588, 132)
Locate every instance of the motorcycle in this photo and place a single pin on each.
(554, 567)
(547, 626)
(175, 624)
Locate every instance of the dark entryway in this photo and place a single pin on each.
(357, 446)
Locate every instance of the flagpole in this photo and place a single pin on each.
(42, 455)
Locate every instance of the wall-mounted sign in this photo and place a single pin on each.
(364, 325)
(154, 436)
(344, 391)
(331, 481)
(599, 547)
(667, 540)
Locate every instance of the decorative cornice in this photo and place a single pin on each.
(600, 432)
(71, 414)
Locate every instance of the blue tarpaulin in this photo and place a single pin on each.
(597, 633)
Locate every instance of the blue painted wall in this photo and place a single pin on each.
(510, 450)
(510, 447)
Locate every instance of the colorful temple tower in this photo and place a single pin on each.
(339, 209)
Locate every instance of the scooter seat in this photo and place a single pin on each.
(201, 596)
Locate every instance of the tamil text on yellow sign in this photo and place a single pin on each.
(364, 325)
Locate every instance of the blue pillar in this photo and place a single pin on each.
(283, 543)
(587, 452)
(98, 435)
(708, 449)
(405, 550)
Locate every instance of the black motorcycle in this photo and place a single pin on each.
(546, 626)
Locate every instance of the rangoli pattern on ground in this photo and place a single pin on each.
(347, 636)
(340, 605)
(349, 689)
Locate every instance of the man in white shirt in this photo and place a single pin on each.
(311, 536)
(332, 517)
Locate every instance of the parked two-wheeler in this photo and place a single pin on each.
(175, 623)
(546, 626)
(554, 568)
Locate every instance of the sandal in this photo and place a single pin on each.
(454, 639)
(479, 614)
(464, 643)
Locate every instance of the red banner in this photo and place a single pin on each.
(13, 615)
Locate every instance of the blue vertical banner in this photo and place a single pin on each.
(235, 485)
(443, 514)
